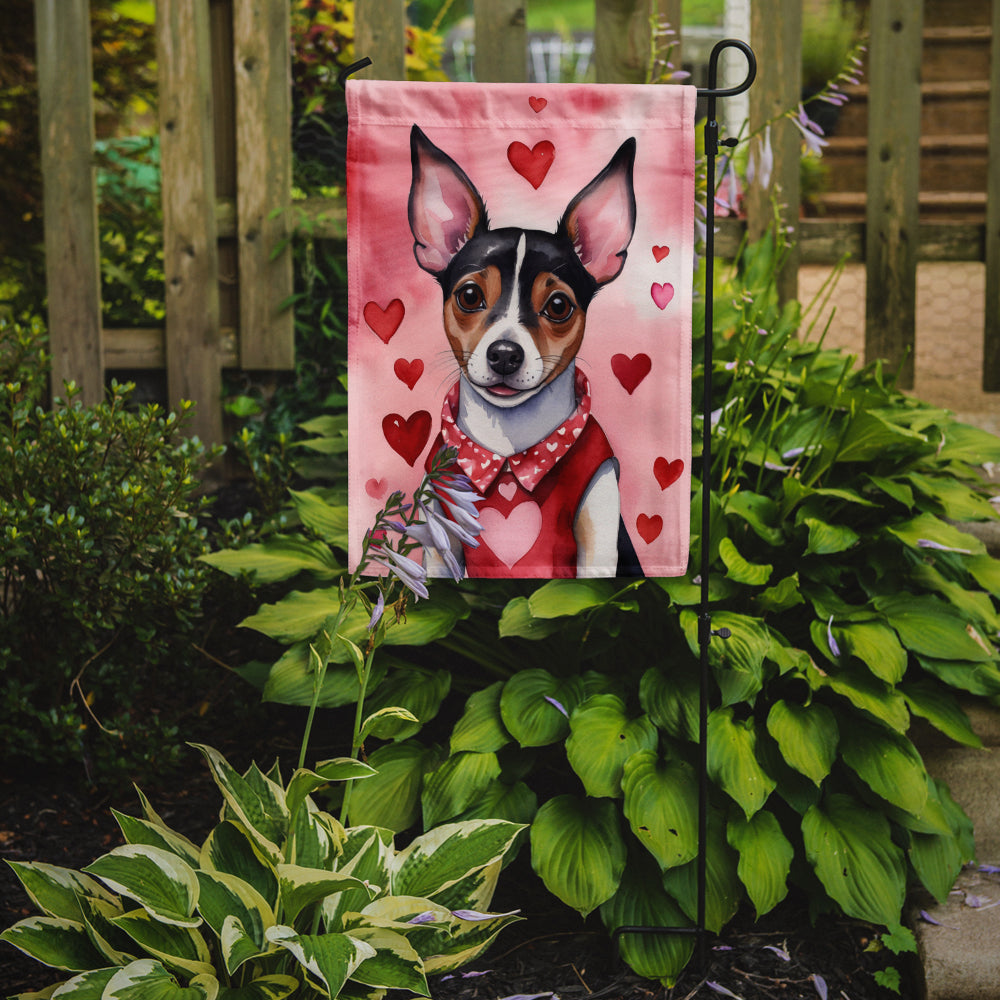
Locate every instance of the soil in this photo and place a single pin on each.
(551, 952)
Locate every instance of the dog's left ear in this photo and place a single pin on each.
(600, 220)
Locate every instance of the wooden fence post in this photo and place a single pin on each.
(72, 255)
(991, 332)
(776, 35)
(623, 40)
(380, 34)
(501, 41)
(893, 183)
(262, 61)
(190, 251)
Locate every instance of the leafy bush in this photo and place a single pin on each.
(854, 601)
(99, 539)
(279, 899)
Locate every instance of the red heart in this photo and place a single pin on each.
(532, 164)
(667, 472)
(660, 252)
(375, 488)
(649, 527)
(630, 371)
(408, 372)
(385, 322)
(537, 103)
(407, 436)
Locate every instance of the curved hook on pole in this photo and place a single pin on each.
(352, 68)
(712, 90)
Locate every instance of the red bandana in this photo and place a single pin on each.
(483, 466)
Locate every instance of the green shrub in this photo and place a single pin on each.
(855, 604)
(280, 899)
(99, 542)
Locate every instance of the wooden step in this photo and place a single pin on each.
(947, 162)
(958, 206)
(945, 12)
(956, 53)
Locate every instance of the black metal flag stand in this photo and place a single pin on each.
(705, 631)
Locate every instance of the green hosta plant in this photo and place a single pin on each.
(279, 900)
(856, 603)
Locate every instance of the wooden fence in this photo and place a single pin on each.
(226, 161)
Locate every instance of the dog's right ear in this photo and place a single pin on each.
(445, 209)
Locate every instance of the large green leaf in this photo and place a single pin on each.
(851, 850)
(391, 798)
(758, 511)
(559, 598)
(535, 706)
(54, 941)
(864, 691)
(931, 628)
(941, 709)
(738, 661)
(828, 539)
(732, 760)
(291, 680)
(871, 435)
(164, 885)
(739, 569)
(888, 763)
(456, 784)
(438, 859)
(765, 858)
(56, 891)
(327, 520)
(661, 806)
(807, 736)
(516, 803)
(395, 964)
(578, 851)
(876, 646)
(925, 528)
(602, 737)
(418, 690)
(671, 699)
(640, 901)
(976, 678)
(481, 728)
(280, 557)
(329, 959)
(147, 979)
(723, 889)
(517, 620)
(957, 501)
(180, 948)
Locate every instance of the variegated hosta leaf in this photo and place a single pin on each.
(141, 831)
(158, 880)
(723, 889)
(225, 897)
(441, 857)
(275, 987)
(456, 784)
(87, 986)
(602, 737)
(475, 891)
(661, 800)
(367, 854)
(147, 979)
(177, 947)
(888, 763)
(467, 940)
(395, 964)
(304, 782)
(807, 736)
(765, 858)
(578, 851)
(315, 838)
(481, 727)
(56, 891)
(54, 941)
(230, 849)
(850, 847)
(300, 887)
(732, 760)
(256, 801)
(329, 959)
(535, 706)
(98, 915)
(642, 902)
(391, 799)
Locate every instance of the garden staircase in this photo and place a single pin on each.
(955, 90)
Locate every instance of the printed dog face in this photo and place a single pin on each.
(515, 300)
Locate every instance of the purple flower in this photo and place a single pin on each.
(927, 543)
(377, 612)
(558, 705)
(780, 952)
(719, 988)
(761, 162)
(427, 917)
(834, 648)
(411, 573)
(820, 983)
(811, 132)
(475, 915)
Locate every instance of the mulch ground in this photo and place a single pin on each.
(551, 952)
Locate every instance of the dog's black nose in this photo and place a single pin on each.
(504, 357)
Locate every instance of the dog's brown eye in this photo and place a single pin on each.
(558, 308)
(470, 297)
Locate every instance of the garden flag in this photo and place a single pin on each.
(520, 272)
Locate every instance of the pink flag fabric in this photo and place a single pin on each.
(520, 265)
